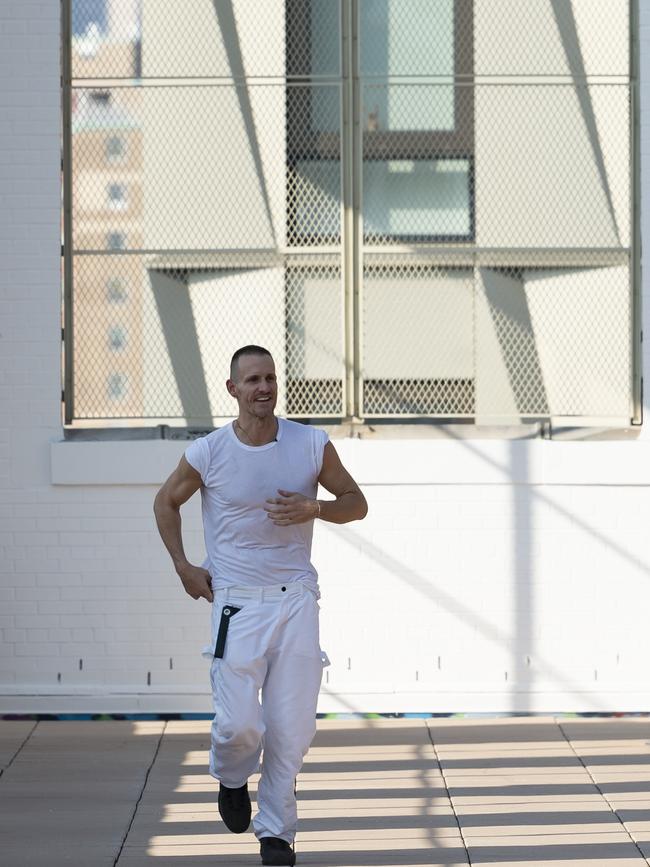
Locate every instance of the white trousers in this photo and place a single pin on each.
(267, 641)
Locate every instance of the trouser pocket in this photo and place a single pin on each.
(227, 612)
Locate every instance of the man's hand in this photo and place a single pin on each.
(291, 508)
(196, 581)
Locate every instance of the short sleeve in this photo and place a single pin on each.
(197, 454)
(319, 440)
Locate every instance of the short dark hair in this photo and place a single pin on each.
(251, 349)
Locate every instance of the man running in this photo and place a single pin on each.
(259, 478)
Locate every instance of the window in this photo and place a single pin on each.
(115, 241)
(117, 386)
(116, 291)
(409, 160)
(115, 148)
(117, 197)
(423, 208)
(415, 115)
(116, 338)
(88, 15)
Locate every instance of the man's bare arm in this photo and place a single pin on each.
(179, 487)
(349, 505)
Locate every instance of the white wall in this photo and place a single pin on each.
(507, 574)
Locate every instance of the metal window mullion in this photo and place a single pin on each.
(357, 172)
(347, 173)
(66, 136)
(635, 219)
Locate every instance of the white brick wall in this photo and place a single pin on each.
(473, 594)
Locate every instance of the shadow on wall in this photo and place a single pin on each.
(525, 498)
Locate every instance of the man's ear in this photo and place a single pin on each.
(232, 388)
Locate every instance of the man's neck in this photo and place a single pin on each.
(254, 431)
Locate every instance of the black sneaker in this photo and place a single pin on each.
(276, 851)
(235, 808)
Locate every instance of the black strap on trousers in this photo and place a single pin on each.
(227, 612)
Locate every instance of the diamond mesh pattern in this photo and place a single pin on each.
(418, 356)
(490, 171)
(262, 178)
(552, 169)
(106, 38)
(154, 334)
(315, 363)
(549, 341)
(313, 174)
(123, 38)
(574, 38)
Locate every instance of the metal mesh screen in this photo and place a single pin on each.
(422, 208)
(204, 177)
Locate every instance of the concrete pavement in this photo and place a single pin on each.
(524, 791)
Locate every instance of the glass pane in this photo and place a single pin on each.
(407, 37)
(407, 107)
(325, 37)
(425, 198)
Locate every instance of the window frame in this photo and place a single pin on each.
(304, 144)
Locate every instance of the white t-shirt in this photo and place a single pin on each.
(244, 547)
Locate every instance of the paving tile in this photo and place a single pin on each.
(54, 820)
(371, 793)
(35, 773)
(536, 819)
(535, 731)
(602, 850)
(595, 830)
(497, 795)
(393, 848)
(380, 732)
(633, 767)
(528, 819)
(626, 786)
(465, 790)
(62, 790)
(554, 858)
(96, 733)
(560, 772)
(41, 853)
(12, 735)
(337, 826)
(69, 796)
(532, 748)
(639, 831)
(608, 749)
(320, 857)
(628, 812)
(598, 728)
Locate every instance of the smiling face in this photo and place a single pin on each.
(255, 386)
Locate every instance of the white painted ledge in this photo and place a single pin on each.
(607, 699)
(386, 462)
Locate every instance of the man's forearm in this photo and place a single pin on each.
(168, 520)
(350, 506)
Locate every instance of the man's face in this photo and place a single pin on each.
(255, 386)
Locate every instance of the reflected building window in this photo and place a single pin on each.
(416, 117)
(116, 291)
(117, 197)
(117, 386)
(88, 16)
(115, 148)
(115, 241)
(117, 338)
